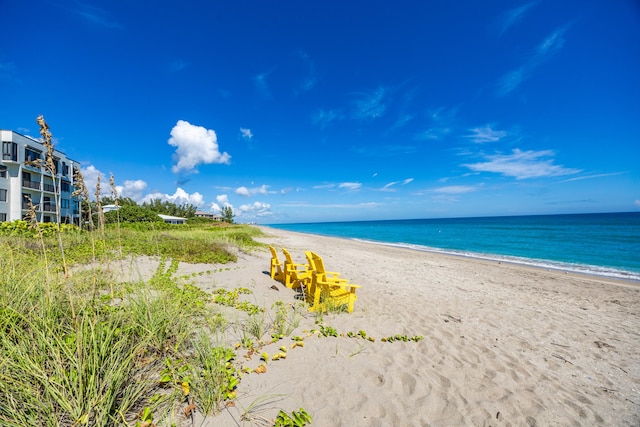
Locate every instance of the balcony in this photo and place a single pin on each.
(31, 184)
(25, 205)
(50, 188)
(48, 207)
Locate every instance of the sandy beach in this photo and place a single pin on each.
(503, 345)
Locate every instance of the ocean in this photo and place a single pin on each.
(605, 244)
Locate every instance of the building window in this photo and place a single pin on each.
(3, 171)
(31, 155)
(3, 217)
(3, 195)
(9, 151)
(64, 203)
(65, 186)
(65, 169)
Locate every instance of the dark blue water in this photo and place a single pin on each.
(603, 244)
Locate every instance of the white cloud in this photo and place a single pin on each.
(90, 175)
(246, 133)
(132, 189)
(522, 165)
(196, 146)
(180, 197)
(600, 175)
(543, 52)
(255, 209)
(486, 134)
(455, 189)
(244, 191)
(391, 184)
(351, 186)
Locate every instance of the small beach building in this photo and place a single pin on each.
(208, 215)
(173, 219)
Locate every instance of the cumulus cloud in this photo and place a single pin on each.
(244, 191)
(90, 175)
(133, 189)
(246, 134)
(485, 134)
(195, 146)
(522, 165)
(255, 209)
(180, 197)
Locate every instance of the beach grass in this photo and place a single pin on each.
(86, 349)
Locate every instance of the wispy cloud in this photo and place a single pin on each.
(371, 105)
(600, 175)
(310, 81)
(455, 189)
(484, 134)
(432, 134)
(177, 65)
(96, 16)
(522, 165)
(514, 16)
(324, 118)
(351, 186)
(543, 52)
(244, 191)
(196, 145)
(389, 187)
(261, 84)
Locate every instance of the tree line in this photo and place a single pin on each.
(128, 210)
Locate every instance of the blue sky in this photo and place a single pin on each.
(303, 111)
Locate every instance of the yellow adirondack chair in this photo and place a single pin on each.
(296, 275)
(275, 270)
(326, 288)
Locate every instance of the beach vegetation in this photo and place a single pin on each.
(227, 214)
(85, 340)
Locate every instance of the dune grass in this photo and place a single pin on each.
(88, 350)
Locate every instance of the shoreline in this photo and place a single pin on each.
(504, 344)
(615, 274)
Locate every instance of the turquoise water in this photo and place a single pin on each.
(603, 244)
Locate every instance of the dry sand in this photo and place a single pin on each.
(504, 345)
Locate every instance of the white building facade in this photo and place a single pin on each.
(21, 182)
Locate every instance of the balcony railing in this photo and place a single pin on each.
(50, 188)
(31, 184)
(48, 207)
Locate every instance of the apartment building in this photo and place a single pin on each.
(21, 182)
